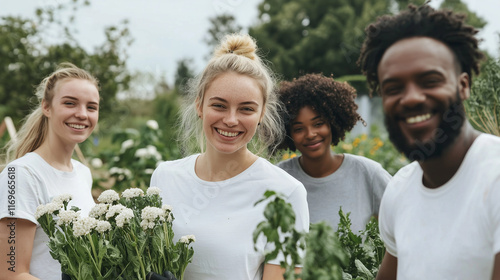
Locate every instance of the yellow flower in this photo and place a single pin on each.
(286, 156)
(347, 147)
(363, 137)
(355, 143)
(293, 155)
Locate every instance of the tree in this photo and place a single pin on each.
(301, 36)
(26, 57)
(183, 73)
(220, 25)
(457, 6)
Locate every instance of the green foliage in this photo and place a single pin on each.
(460, 7)
(483, 105)
(140, 152)
(375, 146)
(329, 255)
(183, 74)
(27, 56)
(364, 250)
(302, 36)
(324, 255)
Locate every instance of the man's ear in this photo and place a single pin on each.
(45, 108)
(464, 86)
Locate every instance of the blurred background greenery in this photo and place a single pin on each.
(296, 36)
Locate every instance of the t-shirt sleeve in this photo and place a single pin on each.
(18, 193)
(386, 222)
(298, 200)
(379, 180)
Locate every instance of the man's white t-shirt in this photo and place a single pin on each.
(452, 232)
(36, 183)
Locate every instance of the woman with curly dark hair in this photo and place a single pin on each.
(319, 112)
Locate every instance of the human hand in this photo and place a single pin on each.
(167, 275)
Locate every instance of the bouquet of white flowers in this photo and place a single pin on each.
(122, 238)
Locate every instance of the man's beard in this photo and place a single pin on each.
(444, 136)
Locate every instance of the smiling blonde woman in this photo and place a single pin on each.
(214, 192)
(67, 114)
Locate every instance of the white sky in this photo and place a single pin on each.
(165, 31)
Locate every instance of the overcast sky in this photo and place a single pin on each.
(166, 31)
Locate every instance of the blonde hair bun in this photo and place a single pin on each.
(240, 44)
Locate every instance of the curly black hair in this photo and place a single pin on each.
(334, 101)
(443, 25)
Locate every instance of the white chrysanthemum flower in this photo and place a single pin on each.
(167, 208)
(151, 213)
(149, 171)
(124, 217)
(114, 209)
(153, 152)
(60, 199)
(40, 211)
(132, 192)
(108, 196)
(67, 216)
(84, 225)
(187, 238)
(127, 172)
(98, 210)
(169, 217)
(141, 153)
(48, 208)
(152, 191)
(103, 226)
(96, 163)
(116, 158)
(126, 144)
(152, 124)
(115, 170)
(146, 224)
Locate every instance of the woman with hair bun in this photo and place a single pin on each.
(214, 191)
(67, 114)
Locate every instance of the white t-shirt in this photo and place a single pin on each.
(37, 182)
(222, 215)
(357, 185)
(452, 232)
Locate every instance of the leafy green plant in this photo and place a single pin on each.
(483, 105)
(364, 250)
(329, 255)
(141, 150)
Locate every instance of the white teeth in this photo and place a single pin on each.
(77, 126)
(228, 134)
(419, 118)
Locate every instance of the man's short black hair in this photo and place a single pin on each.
(443, 25)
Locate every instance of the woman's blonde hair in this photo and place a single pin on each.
(34, 130)
(236, 53)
